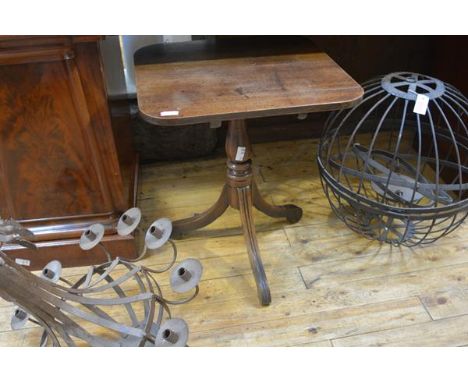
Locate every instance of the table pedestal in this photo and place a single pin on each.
(241, 192)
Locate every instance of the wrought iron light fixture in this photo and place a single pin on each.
(117, 303)
(394, 167)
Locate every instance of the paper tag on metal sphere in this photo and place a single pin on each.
(169, 113)
(240, 153)
(24, 262)
(420, 106)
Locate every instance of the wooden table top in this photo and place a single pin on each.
(238, 78)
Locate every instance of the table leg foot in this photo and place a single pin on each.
(181, 226)
(291, 212)
(245, 208)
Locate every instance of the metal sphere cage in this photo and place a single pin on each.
(393, 172)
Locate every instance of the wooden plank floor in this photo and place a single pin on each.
(330, 287)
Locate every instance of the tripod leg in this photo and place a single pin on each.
(245, 207)
(201, 220)
(291, 212)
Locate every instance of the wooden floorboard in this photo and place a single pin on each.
(330, 286)
(447, 332)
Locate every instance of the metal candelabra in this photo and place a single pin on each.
(118, 303)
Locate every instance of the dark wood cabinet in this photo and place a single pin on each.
(63, 164)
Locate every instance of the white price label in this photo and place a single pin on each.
(169, 113)
(240, 153)
(24, 262)
(420, 106)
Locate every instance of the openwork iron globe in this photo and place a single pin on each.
(394, 167)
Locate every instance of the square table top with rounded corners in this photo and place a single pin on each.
(238, 78)
(233, 79)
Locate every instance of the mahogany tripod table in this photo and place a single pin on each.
(234, 79)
